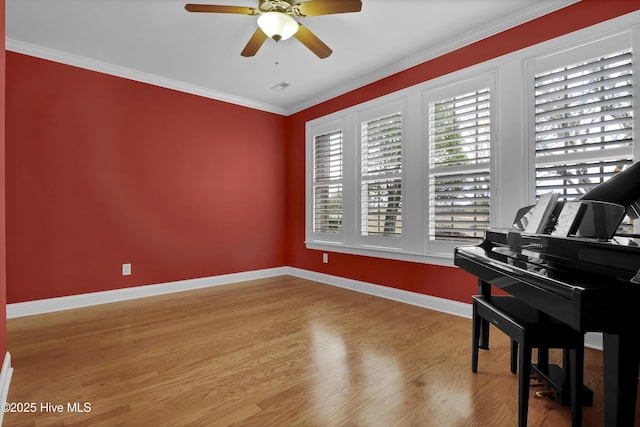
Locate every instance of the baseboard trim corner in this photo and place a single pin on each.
(5, 380)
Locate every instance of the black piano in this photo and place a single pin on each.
(585, 275)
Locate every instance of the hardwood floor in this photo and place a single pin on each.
(274, 352)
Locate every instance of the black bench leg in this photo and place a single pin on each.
(514, 356)
(484, 334)
(484, 288)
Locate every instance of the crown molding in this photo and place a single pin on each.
(513, 20)
(37, 51)
(530, 13)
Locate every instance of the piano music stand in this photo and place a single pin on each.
(530, 328)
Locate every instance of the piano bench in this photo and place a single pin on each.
(530, 328)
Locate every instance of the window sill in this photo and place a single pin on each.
(443, 259)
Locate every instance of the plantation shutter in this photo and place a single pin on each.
(381, 176)
(583, 124)
(327, 183)
(459, 166)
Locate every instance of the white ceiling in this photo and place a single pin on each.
(158, 42)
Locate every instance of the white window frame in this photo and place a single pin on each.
(485, 81)
(323, 128)
(363, 116)
(566, 57)
(512, 162)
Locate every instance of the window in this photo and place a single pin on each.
(415, 173)
(583, 124)
(459, 159)
(327, 182)
(381, 176)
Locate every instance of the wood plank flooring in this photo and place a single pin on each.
(274, 352)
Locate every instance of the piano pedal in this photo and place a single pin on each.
(535, 381)
(545, 393)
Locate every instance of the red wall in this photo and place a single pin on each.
(3, 263)
(103, 171)
(445, 282)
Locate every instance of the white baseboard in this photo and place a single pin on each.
(5, 380)
(434, 303)
(29, 308)
(592, 340)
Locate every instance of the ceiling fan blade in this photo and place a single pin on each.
(212, 8)
(255, 42)
(328, 7)
(312, 42)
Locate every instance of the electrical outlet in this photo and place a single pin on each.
(126, 269)
(325, 258)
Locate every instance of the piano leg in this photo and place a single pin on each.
(576, 359)
(621, 358)
(484, 288)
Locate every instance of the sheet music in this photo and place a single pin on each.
(541, 213)
(567, 218)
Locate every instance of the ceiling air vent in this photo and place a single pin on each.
(281, 86)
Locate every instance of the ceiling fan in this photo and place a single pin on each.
(276, 20)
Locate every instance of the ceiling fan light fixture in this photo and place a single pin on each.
(278, 25)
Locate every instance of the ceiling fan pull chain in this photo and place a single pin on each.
(277, 62)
